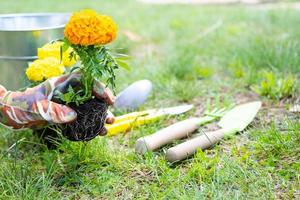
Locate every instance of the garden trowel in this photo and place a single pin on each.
(234, 121)
(133, 96)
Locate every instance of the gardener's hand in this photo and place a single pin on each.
(33, 107)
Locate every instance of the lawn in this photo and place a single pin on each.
(210, 56)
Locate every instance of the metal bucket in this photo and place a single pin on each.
(20, 36)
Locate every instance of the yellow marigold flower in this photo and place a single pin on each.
(53, 50)
(34, 73)
(42, 69)
(87, 27)
(52, 67)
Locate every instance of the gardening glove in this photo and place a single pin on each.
(33, 107)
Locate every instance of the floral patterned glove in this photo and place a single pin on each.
(33, 107)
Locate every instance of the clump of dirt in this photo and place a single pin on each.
(89, 123)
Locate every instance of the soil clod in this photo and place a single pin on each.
(89, 123)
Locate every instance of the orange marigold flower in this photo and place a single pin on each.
(87, 27)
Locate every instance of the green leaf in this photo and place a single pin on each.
(123, 64)
(61, 54)
(122, 57)
(65, 46)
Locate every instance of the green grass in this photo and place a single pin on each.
(202, 55)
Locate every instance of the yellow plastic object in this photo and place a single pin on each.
(132, 115)
(127, 122)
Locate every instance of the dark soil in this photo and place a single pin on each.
(89, 124)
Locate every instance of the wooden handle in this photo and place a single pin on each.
(176, 131)
(188, 148)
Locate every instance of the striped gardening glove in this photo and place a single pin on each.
(33, 107)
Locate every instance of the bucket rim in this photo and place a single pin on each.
(34, 15)
(21, 58)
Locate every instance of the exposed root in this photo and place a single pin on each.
(89, 123)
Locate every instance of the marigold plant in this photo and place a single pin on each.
(86, 33)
